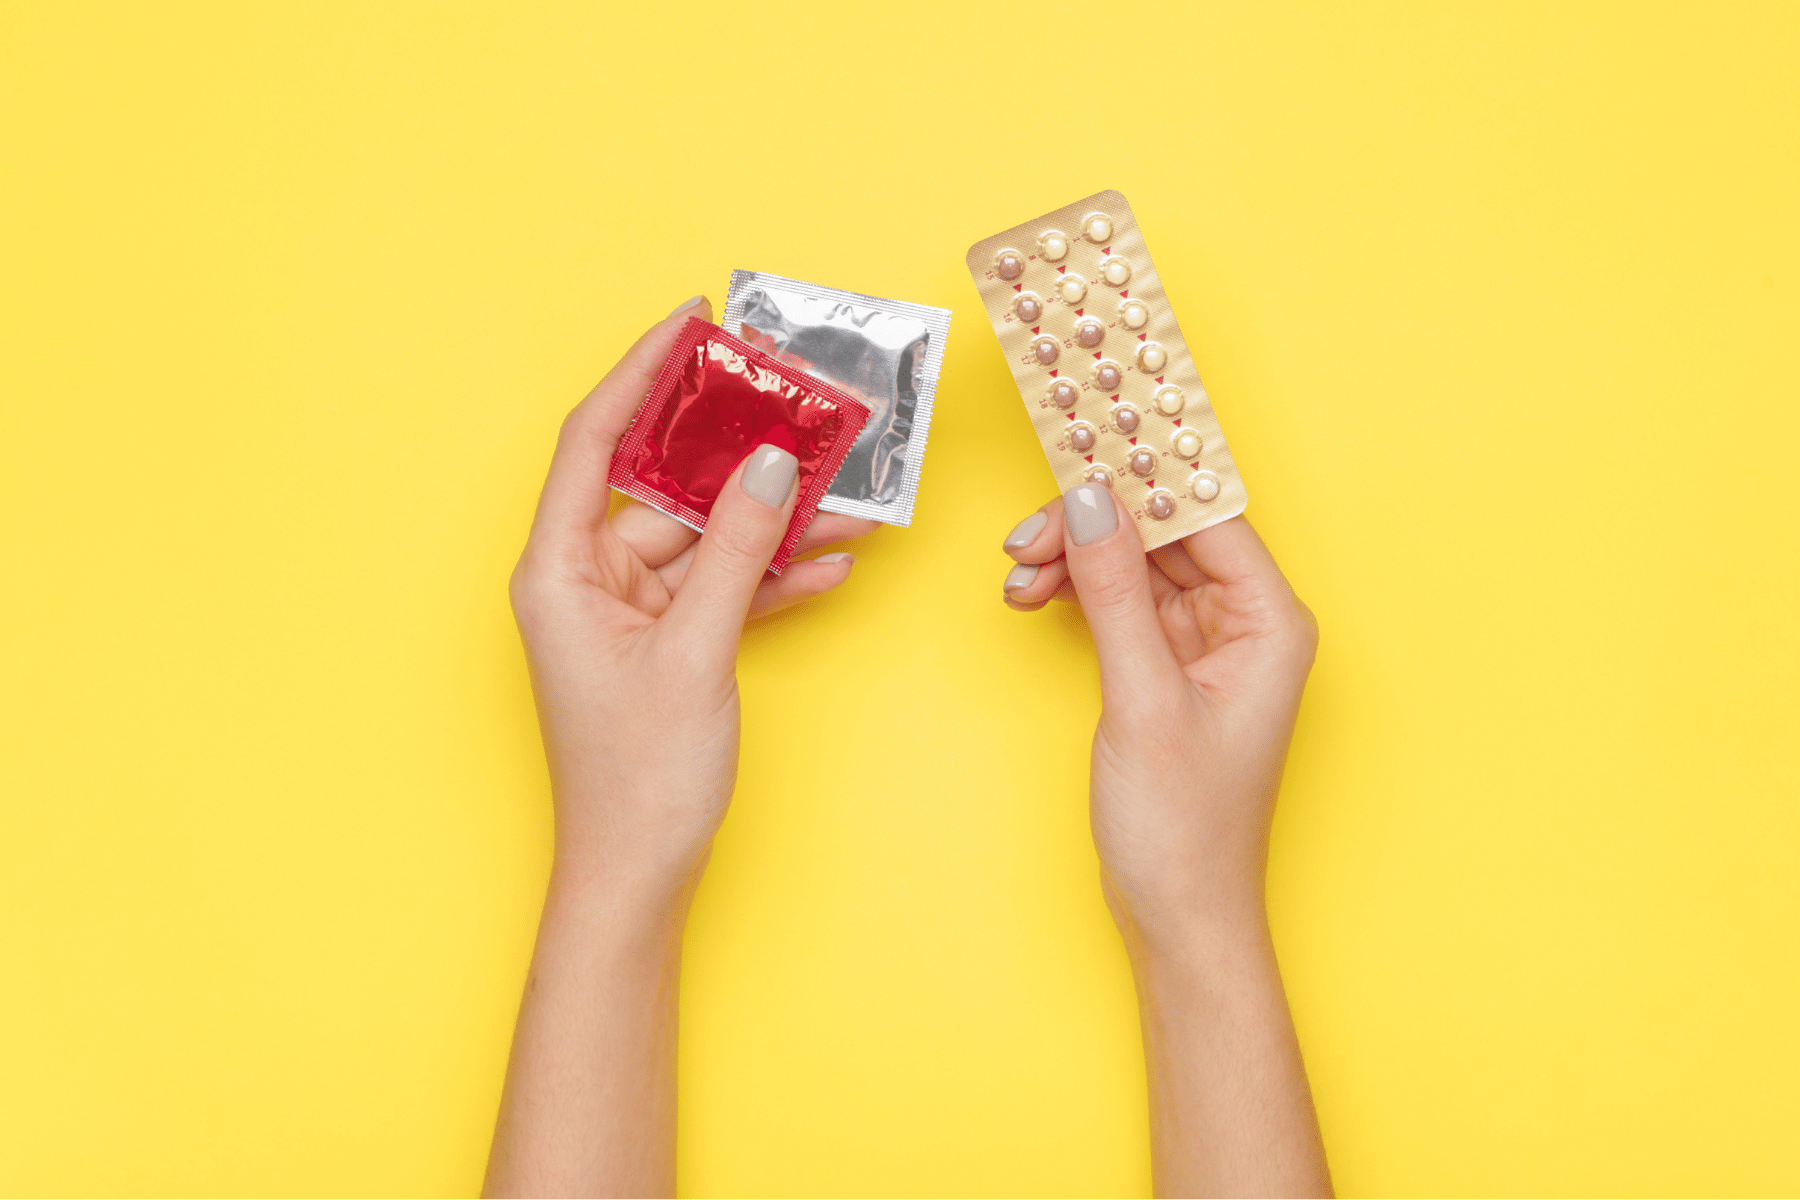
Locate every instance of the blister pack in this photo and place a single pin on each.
(885, 353)
(1106, 375)
(715, 400)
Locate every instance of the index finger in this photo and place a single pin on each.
(575, 493)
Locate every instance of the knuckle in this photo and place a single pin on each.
(1109, 590)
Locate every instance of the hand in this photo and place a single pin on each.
(1204, 651)
(631, 626)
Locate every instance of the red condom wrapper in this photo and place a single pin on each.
(716, 399)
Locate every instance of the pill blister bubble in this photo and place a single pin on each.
(1160, 504)
(1169, 400)
(1029, 306)
(1089, 332)
(1009, 264)
(1142, 461)
(1116, 271)
(1152, 357)
(1045, 350)
(1064, 393)
(1071, 287)
(1134, 314)
(1204, 485)
(1185, 443)
(1107, 375)
(1082, 436)
(1053, 246)
(1097, 228)
(1098, 473)
(1125, 417)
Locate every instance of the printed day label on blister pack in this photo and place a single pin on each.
(1104, 371)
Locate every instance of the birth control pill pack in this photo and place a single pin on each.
(1105, 373)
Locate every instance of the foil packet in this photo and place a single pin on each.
(885, 353)
(1106, 375)
(714, 401)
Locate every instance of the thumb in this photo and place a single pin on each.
(1112, 578)
(744, 530)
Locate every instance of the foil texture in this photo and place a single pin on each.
(886, 353)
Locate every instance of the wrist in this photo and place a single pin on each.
(630, 902)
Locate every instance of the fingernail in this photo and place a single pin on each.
(1089, 513)
(1020, 576)
(1026, 531)
(769, 475)
(835, 557)
(687, 304)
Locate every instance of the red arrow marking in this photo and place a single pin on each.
(1090, 458)
(1194, 465)
(1124, 295)
(1080, 311)
(1071, 416)
(1034, 328)
(1178, 420)
(1096, 354)
(1158, 378)
(1106, 250)
(1018, 287)
(1141, 336)
(1134, 441)
(1115, 397)
(1053, 374)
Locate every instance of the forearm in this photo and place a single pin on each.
(1230, 1110)
(589, 1106)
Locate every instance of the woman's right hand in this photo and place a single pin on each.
(1204, 651)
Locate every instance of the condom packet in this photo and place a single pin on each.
(885, 353)
(715, 400)
(1106, 375)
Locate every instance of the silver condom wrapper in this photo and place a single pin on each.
(885, 353)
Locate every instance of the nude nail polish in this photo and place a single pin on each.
(1026, 531)
(1020, 576)
(1089, 513)
(769, 475)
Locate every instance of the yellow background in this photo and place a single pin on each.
(1497, 305)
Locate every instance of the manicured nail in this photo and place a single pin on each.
(1088, 511)
(1026, 531)
(835, 557)
(687, 304)
(769, 475)
(1020, 576)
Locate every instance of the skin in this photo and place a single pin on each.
(631, 626)
(1204, 651)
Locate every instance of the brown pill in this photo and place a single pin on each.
(1089, 332)
(1142, 461)
(1125, 416)
(1029, 307)
(1099, 473)
(1107, 375)
(1160, 505)
(1009, 264)
(1082, 436)
(1064, 394)
(1046, 350)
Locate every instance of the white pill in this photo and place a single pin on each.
(1186, 443)
(1135, 314)
(1028, 306)
(1169, 400)
(1116, 271)
(1046, 350)
(1152, 357)
(1071, 288)
(1009, 264)
(1089, 332)
(1053, 246)
(1204, 485)
(1097, 227)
